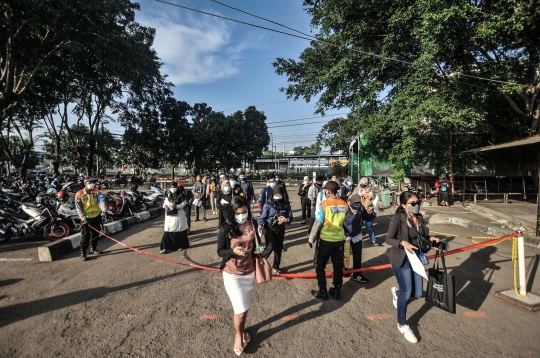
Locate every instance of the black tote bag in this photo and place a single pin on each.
(441, 289)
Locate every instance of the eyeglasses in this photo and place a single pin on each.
(414, 203)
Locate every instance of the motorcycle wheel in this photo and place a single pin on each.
(4, 225)
(143, 207)
(108, 219)
(61, 232)
(128, 212)
(159, 203)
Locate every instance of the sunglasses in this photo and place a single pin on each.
(414, 203)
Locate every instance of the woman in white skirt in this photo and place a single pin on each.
(175, 228)
(236, 245)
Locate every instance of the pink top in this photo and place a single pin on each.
(242, 265)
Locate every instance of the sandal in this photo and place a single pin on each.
(238, 351)
(246, 339)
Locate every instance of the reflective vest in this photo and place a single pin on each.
(335, 212)
(90, 202)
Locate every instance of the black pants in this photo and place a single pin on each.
(202, 208)
(335, 251)
(276, 238)
(88, 234)
(306, 208)
(187, 211)
(357, 257)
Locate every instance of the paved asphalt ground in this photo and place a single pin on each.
(124, 304)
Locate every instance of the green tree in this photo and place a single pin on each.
(176, 139)
(408, 70)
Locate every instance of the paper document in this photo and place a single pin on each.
(223, 201)
(416, 264)
(197, 202)
(376, 205)
(357, 238)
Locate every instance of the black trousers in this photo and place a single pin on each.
(306, 207)
(202, 208)
(357, 257)
(88, 234)
(335, 251)
(187, 211)
(276, 238)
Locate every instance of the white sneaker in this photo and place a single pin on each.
(394, 296)
(407, 333)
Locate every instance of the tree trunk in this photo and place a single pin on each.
(172, 174)
(451, 163)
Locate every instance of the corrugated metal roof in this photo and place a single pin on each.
(515, 143)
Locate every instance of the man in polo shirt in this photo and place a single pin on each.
(328, 227)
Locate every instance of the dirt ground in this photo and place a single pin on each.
(124, 304)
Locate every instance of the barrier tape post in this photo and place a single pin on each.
(521, 265)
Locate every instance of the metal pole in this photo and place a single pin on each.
(485, 187)
(464, 175)
(358, 159)
(524, 190)
(521, 264)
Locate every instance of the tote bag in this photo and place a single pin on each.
(441, 289)
(263, 270)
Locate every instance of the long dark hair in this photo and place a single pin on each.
(403, 198)
(232, 226)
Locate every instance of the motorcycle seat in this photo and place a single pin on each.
(21, 216)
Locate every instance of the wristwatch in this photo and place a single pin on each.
(399, 244)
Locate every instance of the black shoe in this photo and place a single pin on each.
(95, 251)
(322, 294)
(83, 257)
(360, 279)
(334, 292)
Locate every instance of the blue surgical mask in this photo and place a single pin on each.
(227, 189)
(271, 185)
(349, 183)
(233, 183)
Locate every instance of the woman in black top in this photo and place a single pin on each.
(402, 235)
(223, 202)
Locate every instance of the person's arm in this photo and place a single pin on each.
(391, 235)
(368, 216)
(301, 190)
(317, 226)
(101, 203)
(311, 193)
(289, 215)
(79, 208)
(264, 215)
(218, 201)
(223, 246)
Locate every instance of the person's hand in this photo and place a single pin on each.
(369, 209)
(282, 220)
(238, 251)
(408, 246)
(435, 239)
(310, 245)
(84, 222)
(260, 228)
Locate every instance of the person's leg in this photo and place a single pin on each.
(304, 206)
(269, 238)
(94, 235)
(404, 275)
(357, 257)
(187, 211)
(337, 264)
(279, 237)
(85, 238)
(239, 326)
(325, 250)
(371, 231)
(203, 208)
(418, 286)
(197, 208)
(308, 206)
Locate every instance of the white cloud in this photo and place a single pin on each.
(194, 49)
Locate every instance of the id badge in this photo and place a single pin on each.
(423, 258)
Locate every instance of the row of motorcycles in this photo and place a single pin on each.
(37, 210)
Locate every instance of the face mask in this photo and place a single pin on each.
(319, 183)
(363, 185)
(233, 183)
(90, 186)
(173, 190)
(241, 218)
(242, 178)
(355, 207)
(349, 183)
(227, 189)
(198, 179)
(271, 185)
(413, 209)
(277, 178)
(277, 198)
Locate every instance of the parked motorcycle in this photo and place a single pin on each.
(73, 186)
(118, 206)
(69, 213)
(36, 220)
(156, 198)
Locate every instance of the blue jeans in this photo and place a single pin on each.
(408, 282)
(369, 226)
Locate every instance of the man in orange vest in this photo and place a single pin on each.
(90, 205)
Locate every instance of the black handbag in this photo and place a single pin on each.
(424, 245)
(441, 288)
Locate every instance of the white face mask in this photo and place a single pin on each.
(90, 186)
(241, 218)
(173, 190)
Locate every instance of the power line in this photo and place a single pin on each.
(302, 119)
(298, 124)
(312, 38)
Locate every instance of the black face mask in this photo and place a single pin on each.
(355, 207)
(363, 185)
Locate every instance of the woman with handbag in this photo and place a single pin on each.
(407, 231)
(275, 213)
(239, 246)
(175, 236)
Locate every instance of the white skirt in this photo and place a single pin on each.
(239, 289)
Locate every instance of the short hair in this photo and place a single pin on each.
(242, 173)
(319, 178)
(271, 176)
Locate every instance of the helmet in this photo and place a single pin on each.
(62, 196)
(91, 180)
(51, 192)
(134, 187)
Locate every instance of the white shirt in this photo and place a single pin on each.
(175, 223)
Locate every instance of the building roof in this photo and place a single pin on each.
(516, 143)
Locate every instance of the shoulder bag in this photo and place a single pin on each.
(263, 270)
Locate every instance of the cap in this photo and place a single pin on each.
(355, 199)
(91, 180)
(331, 185)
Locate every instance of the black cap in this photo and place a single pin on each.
(332, 186)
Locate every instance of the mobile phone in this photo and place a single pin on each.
(245, 250)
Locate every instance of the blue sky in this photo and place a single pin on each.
(229, 65)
